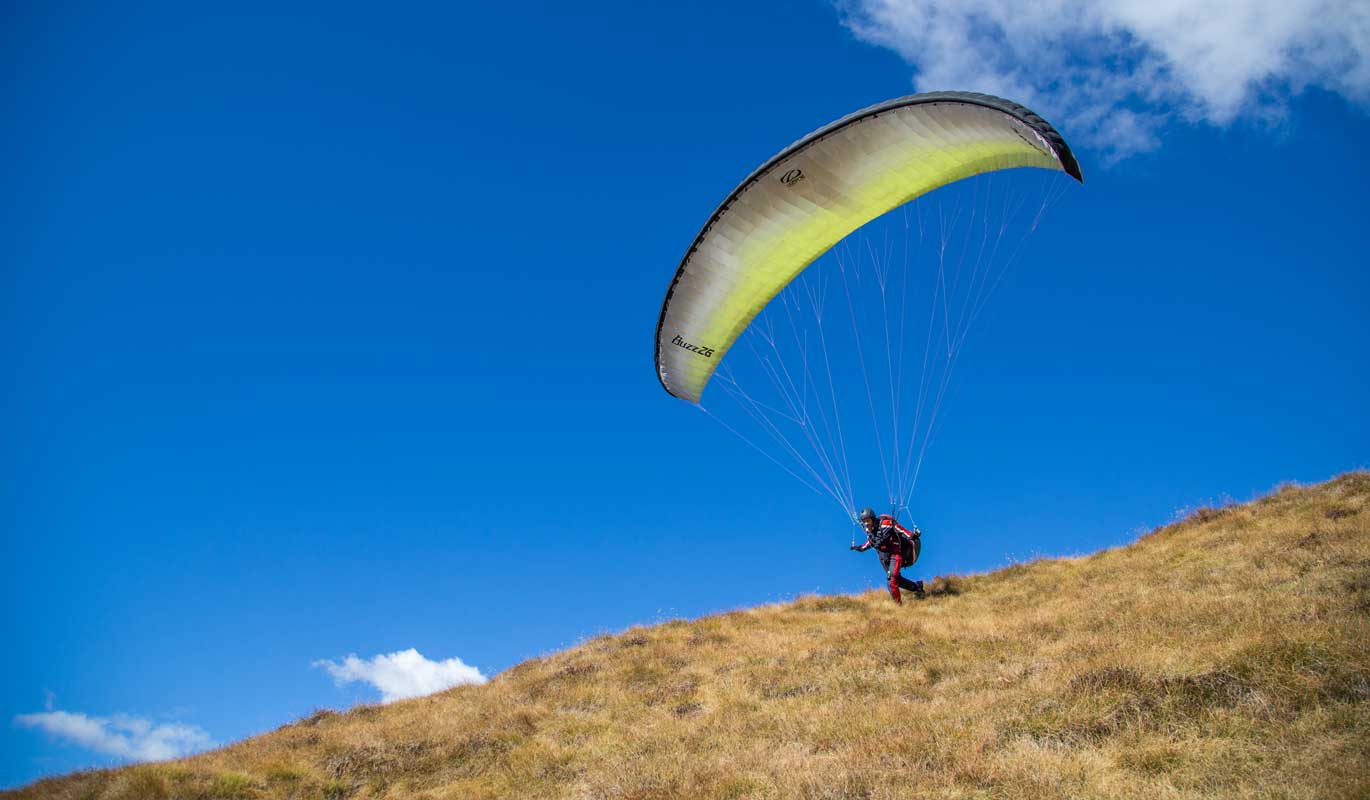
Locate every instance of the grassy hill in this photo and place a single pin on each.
(1227, 655)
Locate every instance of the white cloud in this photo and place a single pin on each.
(122, 736)
(403, 674)
(1112, 72)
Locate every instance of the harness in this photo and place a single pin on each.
(888, 538)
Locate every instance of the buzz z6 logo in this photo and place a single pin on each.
(707, 352)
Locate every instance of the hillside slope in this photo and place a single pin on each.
(1227, 655)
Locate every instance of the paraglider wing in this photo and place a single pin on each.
(812, 194)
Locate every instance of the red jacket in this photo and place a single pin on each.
(890, 537)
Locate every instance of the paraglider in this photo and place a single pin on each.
(818, 190)
(789, 212)
(897, 546)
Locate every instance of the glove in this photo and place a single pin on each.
(855, 547)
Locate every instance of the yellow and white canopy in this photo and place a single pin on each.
(812, 194)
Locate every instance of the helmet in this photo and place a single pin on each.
(866, 514)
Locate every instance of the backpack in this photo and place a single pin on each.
(909, 547)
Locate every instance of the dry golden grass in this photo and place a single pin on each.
(1227, 655)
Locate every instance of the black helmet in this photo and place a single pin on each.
(866, 514)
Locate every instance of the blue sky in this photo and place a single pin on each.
(328, 332)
